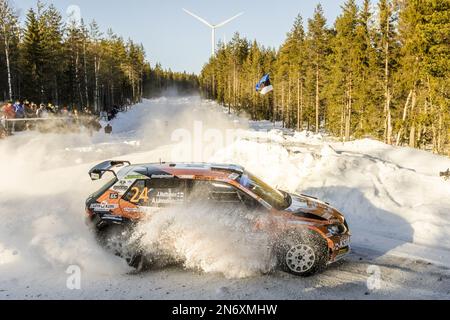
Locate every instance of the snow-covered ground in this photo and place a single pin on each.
(397, 206)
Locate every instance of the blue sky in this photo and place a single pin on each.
(180, 42)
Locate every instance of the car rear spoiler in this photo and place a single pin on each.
(99, 170)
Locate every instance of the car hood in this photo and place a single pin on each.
(310, 207)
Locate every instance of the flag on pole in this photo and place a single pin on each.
(264, 86)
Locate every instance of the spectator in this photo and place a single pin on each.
(20, 114)
(65, 112)
(108, 129)
(42, 112)
(51, 109)
(8, 114)
(29, 112)
(19, 110)
(8, 111)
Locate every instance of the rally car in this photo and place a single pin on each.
(307, 234)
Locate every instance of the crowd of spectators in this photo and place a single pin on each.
(23, 116)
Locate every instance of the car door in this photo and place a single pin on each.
(150, 195)
(226, 199)
(165, 192)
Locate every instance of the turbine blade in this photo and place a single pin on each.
(198, 18)
(229, 20)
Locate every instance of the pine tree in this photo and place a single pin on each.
(33, 52)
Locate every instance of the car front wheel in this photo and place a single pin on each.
(302, 254)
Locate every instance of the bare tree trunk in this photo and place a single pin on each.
(234, 85)
(412, 137)
(405, 114)
(56, 90)
(8, 65)
(302, 105)
(433, 110)
(289, 104)
(275, 108)
(388, 120)
(343, 108)
(282, 104)
(412, 141)
(317, 96)
(77, 77)
(440, 128)
(96, 70)
(298, 104)
(348, 114)
(85, 75)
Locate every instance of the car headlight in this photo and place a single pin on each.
(337, 229)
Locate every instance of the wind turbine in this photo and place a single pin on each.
(213, 27)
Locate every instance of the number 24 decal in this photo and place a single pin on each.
(139, 196)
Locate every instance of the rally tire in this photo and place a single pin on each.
(115, 239)
(302, 254)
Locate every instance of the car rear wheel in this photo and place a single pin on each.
(302, 254)
(116, 240)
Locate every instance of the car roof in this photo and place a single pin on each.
(185, 169)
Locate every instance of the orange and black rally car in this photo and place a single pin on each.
(307, 234)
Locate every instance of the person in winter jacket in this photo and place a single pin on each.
(8, 111)
(19, 110)
(51, 109)
(108, 129)
(20, 114)
(41, 111)
(30, 110)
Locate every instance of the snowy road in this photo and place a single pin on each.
(400, 279)
(397, 206)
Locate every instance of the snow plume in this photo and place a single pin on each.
(42, 194)
(193, 129)
(44, 181)
(207, 238)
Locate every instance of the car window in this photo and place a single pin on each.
(272, 196)
(137, 194)
(166, 192)
(219, 192)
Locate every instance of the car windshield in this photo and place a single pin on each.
(272, 196)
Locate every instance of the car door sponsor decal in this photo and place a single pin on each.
(103, 207)
(154, 196)
(168, 197)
